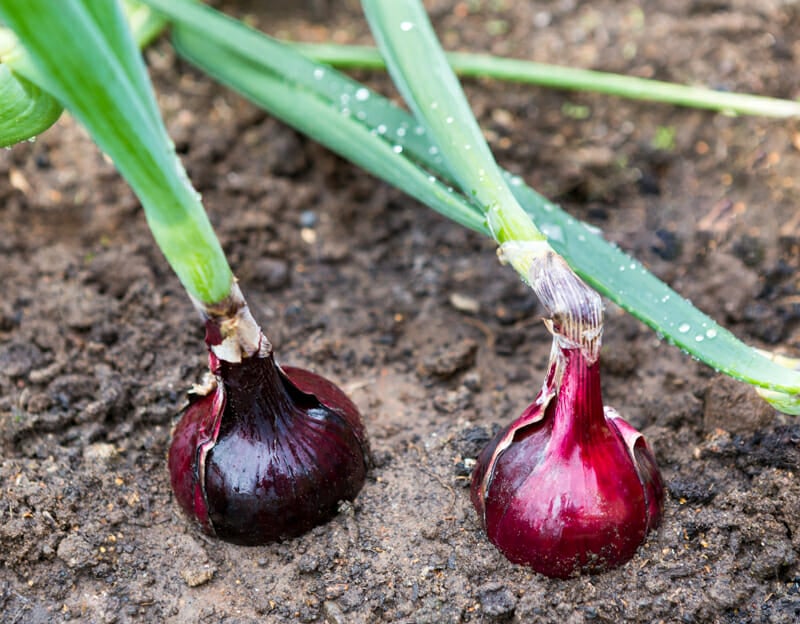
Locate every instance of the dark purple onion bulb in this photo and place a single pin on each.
(268, 453)
(569, 487)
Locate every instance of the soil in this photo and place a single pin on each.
(435, 341)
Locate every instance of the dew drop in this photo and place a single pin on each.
(553, 232)
(406, 26)
(362, 94)
(319, 74)
(401, 132)
(698, 338)
(433, 150)
(685, 327)
(381, 129)
(665, 298)
(711, 333)
(449, 120)
(397, 149)
(419, 130)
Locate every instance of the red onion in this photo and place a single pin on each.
(263, 453)
(569, 486)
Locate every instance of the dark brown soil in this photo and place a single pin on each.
(434, 340)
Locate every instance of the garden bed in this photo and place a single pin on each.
(414, 317)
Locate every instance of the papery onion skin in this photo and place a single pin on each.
(566, 489)
(268, 454)
(195, 429)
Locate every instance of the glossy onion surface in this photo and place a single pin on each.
(268, 454)
(569, 487)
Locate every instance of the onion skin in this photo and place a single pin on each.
(268, 454)
(569, 487)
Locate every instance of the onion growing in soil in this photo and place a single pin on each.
(263, 452)
(564, 489)
(569, 486)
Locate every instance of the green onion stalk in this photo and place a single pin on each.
(261, 452)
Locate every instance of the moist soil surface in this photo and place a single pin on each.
(436, 342)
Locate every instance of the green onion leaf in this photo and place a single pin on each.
(567, 78)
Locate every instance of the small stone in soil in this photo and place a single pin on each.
(308, 564)
(453, 401)
(99, 453)
(196, 576)
(272, 273)
(465, 303)
(691, 490)
(75, 551)
(333, 614)
(471, 442)
(497, 601)
(450, 360)
(734, 407)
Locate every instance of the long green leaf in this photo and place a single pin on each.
(601, 264)
(74, 53)
(567, 78)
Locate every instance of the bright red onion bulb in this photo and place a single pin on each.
(268, 453)
(568, 487)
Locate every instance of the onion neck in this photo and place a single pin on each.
(256, 392)
(232, 334)
(578, 415)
